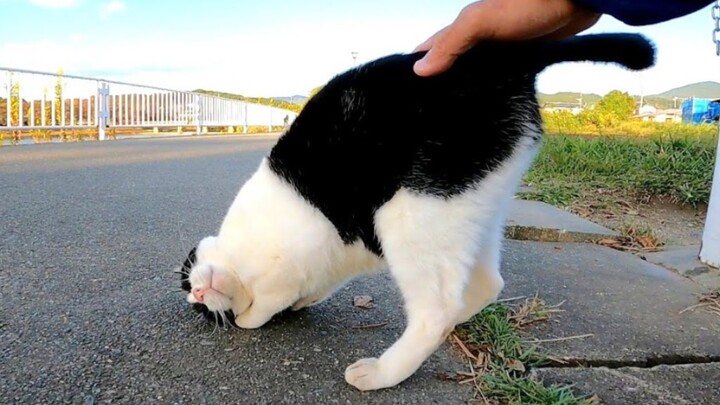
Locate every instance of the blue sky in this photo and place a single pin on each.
(272, 48)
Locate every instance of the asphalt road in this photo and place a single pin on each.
(90, 311)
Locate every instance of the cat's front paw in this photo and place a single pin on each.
(366, 375)
(249, 321)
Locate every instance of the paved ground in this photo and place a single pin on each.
(91, 313)
(90, 309)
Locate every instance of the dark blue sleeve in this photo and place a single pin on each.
(644, 12)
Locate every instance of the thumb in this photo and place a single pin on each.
(451, 42)
(444, 50)
(434, 62)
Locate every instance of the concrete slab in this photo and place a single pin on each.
(661, 385)
(631, 307)
(538, 221)
(684, 260)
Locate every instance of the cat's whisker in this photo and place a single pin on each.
(217, 324)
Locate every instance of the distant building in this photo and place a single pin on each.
(700, 110)
(574, 109)
(647, 109)
(650, 113)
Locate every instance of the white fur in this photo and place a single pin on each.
(274, 250)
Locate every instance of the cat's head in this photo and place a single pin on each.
(213, 287)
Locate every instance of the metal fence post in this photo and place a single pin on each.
(198, 115)
(710, 248)
(245, 119)
(102, 109)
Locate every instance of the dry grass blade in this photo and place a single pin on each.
(609, 242)
(478, 389)
(370, 326)
(709, 300)
(511, 299)
(532, 310)
(464, 348)
(560, 339)
(712, 300)
(691, 307)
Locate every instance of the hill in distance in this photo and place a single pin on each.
(663, 100)
(700, 90)
(296, 99)
(568, 97)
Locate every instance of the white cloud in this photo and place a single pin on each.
(55, 3)
(115, 6)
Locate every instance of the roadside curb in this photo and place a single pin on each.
(541, 222)
(530, 233)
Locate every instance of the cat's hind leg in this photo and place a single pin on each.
(485, 283)
(428, 244)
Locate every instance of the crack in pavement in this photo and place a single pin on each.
(666, 360)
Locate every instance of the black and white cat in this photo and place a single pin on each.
(384, 168)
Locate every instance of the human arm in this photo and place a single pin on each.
(531, 19)
(644, 12)
(501, 20)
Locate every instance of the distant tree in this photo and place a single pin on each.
(58, 97)
(562, 122)
(315, 91)
(312, 94)
(598, 118)
(14, 103)
(47, 106)
(619, 105)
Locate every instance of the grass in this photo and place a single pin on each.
(573, 168)
(500, 359)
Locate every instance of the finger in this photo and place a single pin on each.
(449, 43)
(433, 63)
(500, 20)
(425, 46)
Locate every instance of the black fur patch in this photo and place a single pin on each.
(211, 316)
(380, 127)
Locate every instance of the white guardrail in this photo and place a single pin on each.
(32, 101)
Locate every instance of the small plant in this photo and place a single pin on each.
(63, 135)
(15, 138)
(500, 359)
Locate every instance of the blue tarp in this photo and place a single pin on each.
(700, 110)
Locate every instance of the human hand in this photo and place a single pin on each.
(501, 20)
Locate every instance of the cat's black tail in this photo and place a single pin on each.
(633, 51)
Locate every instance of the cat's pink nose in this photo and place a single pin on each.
(198, 293)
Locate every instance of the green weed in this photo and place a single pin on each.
(492, 342)
(569, 168)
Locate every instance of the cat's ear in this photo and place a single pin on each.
(184, 270)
